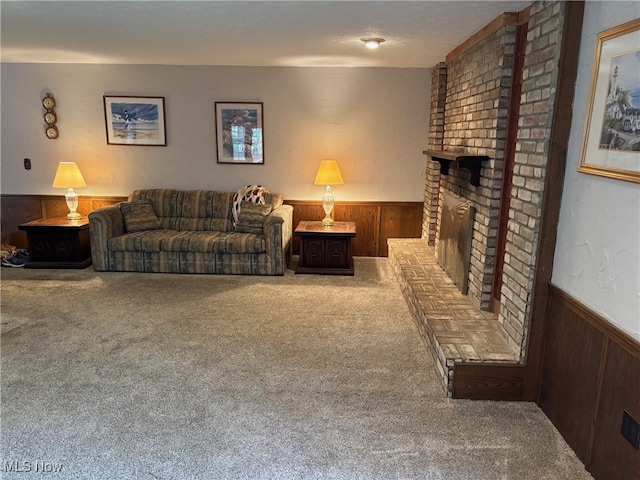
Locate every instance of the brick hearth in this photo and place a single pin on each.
(452, 326)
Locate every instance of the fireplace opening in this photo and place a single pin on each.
(454, 244)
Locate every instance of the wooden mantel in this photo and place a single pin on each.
(472, 163)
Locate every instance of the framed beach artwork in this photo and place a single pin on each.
(135, 120)
(239, 133)
(611, 140)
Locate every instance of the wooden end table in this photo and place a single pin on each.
(58, 243)
(325, 250)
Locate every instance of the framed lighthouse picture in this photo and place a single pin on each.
(611, 140)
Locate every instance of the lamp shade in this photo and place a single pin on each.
(68, 175)
(328, 173)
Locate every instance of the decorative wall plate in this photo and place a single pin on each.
(52, 132)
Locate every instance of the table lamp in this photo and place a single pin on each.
(68, 176)
(328, 174)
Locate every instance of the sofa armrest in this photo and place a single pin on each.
(278, 230)
(104, 223)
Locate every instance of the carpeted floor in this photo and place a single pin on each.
(156, 376)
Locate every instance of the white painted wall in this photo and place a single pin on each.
(597, 257)
(374, 121)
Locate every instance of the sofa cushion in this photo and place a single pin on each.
(275, 199)
(251, 218)
(178, 241)
(189, 209)
(205, 204)
(204, 224)
(167, 202)
(227, 242)
(139, 216)
(199, 242)
(144, 241)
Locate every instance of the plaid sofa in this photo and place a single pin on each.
(194, 233)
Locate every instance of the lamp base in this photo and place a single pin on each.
(72, 204)
(327, 206)
(327, 221)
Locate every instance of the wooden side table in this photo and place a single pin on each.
(58, 243)
(325, 250)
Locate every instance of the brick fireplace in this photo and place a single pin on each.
(492, 100)
(471, 114)
(476, 113)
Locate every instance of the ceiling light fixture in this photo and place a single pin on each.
(372, 42)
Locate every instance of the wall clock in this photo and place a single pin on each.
(48, 102)
(50, 117)
(52, 132)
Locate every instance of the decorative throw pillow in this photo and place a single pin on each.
(139, 216)
(248, 193)
(251, 217)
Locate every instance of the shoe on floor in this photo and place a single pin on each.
(17, 259)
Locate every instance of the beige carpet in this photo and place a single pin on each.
(156, 376)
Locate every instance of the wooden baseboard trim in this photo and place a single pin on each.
(488, 381)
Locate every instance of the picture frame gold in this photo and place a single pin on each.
(611, 139)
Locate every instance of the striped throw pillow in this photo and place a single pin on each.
(251, 217)
(139, 216)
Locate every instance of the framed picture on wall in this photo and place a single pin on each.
(135, 120)
(611, 140)
(239, 133)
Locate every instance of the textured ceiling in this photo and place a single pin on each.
(257, 33)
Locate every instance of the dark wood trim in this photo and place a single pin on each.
(571, 369)
(552, 195)
(524, 15)
(487, 381)
(590, 376)
(354, 202)
(508, 18)
(617, 335)
(375, 222)
(471, 163)
(41, 196)
(599, 382)
(17, 209)
(610, 455)
(509, 163)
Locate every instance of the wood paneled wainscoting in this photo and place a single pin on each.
(590, 376)
(17, 209)
(375, 221)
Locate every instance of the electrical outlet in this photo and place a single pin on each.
(27, 164)
(630, 429)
